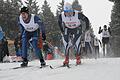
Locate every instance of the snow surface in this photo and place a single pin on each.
(90, 69)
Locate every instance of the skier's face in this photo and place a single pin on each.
(105, 28)
(68, 14)
(24, 16)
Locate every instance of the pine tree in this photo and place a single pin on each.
(8, 17)
(115, 27)
(50, 23)
(60, 8)
(32, 5)
(34, 8)
(2, 4)
(115, 1)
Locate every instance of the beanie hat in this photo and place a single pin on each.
(24, 9)
(68, 7)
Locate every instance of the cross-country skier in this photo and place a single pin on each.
(105, 36)
(71, 25)
(30, 25)
(4, 51)
(88, 38)
(97, 44)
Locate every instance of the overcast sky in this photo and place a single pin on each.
(98, 11)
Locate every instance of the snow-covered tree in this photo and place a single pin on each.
(115, 27)
(50, 22)
(60, 8)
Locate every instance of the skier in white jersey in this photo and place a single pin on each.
(88, 41)
(30, 26)
(105, 36)
(97, 44)
(70, 23)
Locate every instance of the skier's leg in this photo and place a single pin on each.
(86, 48)
(90, 48)
(67, 47)
(98, 52)
(107, 47)
(24, 51)
(103, 49)
(104, 44)
(66, 56)
(95, 49)
(77, 45)
(38, 51)
(78, 56)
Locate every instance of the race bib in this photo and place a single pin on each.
(31, 26)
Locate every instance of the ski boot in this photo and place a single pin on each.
(43, 64)
(66, 62)
(24, 63)
(78, 60)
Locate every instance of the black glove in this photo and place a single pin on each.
(109, 28)
(43, 37)
(99, 28)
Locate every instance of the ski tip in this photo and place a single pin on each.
(51, 67)
(47, 66)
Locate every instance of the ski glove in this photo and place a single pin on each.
(43, 37)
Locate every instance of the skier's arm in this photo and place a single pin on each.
(60, 23)
(41, 26)
(84, 18)
(109, 30)
(100, 30)
(100, 43)
(21, 28)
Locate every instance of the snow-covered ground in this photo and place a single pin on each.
(91, 69)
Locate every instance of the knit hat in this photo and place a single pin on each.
(24, 9)
(68, 7)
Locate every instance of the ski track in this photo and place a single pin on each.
(90, 69)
